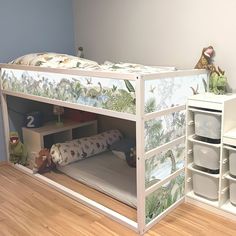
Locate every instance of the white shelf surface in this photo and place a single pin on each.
(211, 97)
(52, 127)
(230, 137)
(229, 207)
(209, 101)
(202, 199)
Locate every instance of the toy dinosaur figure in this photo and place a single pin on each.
(18, 152)
(206, 59)
(218, 82)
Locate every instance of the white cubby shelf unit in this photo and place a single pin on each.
(45, 136)
(211, 138)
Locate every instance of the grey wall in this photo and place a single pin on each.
(32, 26)
(158, 32)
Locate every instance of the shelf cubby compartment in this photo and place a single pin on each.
(229, 138)
(231, 160)
(205, 155)
(232, 189)
(205, 185)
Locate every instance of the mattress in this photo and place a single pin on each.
(108, 174)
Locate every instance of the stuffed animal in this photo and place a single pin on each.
(131, 157)
(18, 152)
(218, 82)
(43, 162)
(206, 59)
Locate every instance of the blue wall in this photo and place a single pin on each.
(34, 26)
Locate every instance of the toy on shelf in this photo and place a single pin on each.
(58, 110)
(218, 82)
(43, 162)
(206, 59)
(18, 152)
(217, 79)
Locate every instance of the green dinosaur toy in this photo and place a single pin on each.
(18, 152)
(218, 82)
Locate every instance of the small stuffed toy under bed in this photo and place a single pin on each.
(106, 173)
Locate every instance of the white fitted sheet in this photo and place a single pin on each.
(108, 174)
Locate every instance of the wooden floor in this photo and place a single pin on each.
(93, 194)
(28, 208)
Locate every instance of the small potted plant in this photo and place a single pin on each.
(58, 110)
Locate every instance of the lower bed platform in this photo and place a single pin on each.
(107, 174)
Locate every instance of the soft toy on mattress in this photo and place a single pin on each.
(206, 59)
(125, 149)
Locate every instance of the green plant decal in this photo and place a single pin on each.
(161, 199)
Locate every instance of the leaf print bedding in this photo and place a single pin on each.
(64, 61)
(55, 60)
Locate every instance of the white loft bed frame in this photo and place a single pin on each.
(140, 118)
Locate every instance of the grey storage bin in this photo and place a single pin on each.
(207, 156)
(207, 124)
(232, 191)
(232, 163)
(205, 185)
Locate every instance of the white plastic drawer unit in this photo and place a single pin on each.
(232, 163)
(205, 185)
(206, 155)
(232, 189)
(207, 124)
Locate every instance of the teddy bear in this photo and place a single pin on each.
(43, 162)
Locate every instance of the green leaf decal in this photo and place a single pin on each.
(38, 63)
(129, 86)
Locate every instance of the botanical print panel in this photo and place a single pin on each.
(111, 94)
(164, 197)
(164, 129)
(165, 93)
(163, 164)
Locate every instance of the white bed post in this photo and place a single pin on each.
(5, 118)
(140, 154)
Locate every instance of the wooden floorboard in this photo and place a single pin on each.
(28, 208)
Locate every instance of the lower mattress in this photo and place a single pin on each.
(108, 174)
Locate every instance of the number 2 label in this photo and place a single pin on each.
(30, 122)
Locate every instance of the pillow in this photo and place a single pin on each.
(78, 149)
(55, 60)
(125, 150)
